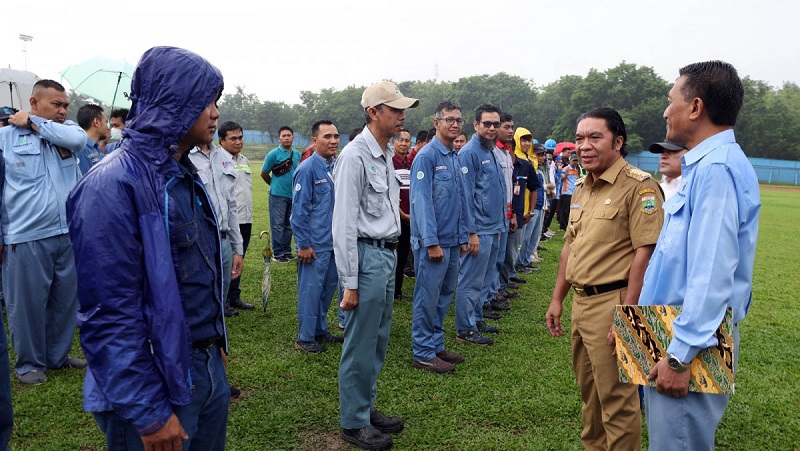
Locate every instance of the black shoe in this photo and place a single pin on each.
(410, 273)
(311, 347)
(288, 257)
(387, 425)
(511, 285)
(403, 297)
(235, 392)
(544, 239)
(486, 329)
(487, 313)
(241, 305)
(542, 248)
(72, 362)
(498, 306)
(472, 337)
(522, 269)
(329, 338)
(230, 311)
(508, 294)
(367, 437)
(516, 279)
(532, 267)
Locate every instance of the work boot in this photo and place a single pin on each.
(238, 303)
(367, 437)
(451, 357)
(387, 425)
(434, 365)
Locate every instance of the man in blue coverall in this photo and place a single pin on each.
(366, 224)
(92, 120)
(439, 235)
(485, 188)
(39, 278)
(153, 328)
(312, 219)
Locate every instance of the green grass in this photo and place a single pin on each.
(518, 394)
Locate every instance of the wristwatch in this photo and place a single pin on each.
(30, 122)
(676, 364)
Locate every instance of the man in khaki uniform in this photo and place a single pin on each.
(614, 221)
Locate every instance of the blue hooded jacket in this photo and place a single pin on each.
(132, 324)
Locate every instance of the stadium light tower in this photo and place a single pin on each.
(25, 40)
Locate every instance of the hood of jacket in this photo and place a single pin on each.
(519, 133)
(169, 89)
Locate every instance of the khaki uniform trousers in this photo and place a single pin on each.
(612, 419)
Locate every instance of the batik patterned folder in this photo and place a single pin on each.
(643, 334)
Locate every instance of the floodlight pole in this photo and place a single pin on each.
(25, 40)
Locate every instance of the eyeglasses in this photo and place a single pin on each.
(235, 138)
(451, 120)
(490, 124)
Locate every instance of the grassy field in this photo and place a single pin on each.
(518, 394)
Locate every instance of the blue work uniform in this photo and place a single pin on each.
(39, 278)
(89, 156)
(485, 189)
(438, 217)
(312, 219)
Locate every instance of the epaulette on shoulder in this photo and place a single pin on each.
(579, 182)
(636, 173)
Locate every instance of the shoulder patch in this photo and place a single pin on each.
(580, 181)
(636, 173)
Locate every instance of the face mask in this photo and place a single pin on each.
(116, 135)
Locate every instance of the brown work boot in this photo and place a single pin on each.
(450, 357)
(435, 365)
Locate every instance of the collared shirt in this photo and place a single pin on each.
(524, 180)
(438, 199)
(670, 186)
(281, 185)
(504, 159)
(609, 218)
(402, 167)
(219, 177)
(312, 204)
(243, 188)
(705, 253)
(40, 169)
(485, 186)
(367, 201)
(89, 156)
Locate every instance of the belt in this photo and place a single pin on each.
(386, 244)
(600, 289)
(202, 345)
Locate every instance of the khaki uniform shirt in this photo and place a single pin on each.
(609, 218)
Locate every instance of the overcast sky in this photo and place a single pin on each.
(277, 49)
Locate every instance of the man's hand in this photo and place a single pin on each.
(267, 178)
(306, 255)
(168, 438)
(513, 224)
(405, 217)
(237, 266)
(526, 218)
(20, 119)
(553, 318)
(224, 358)
(474, 244)
(349, 300)
(668, 381)
(612, 341)
(463, 251)
(435, 253)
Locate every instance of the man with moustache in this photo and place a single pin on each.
(440, 234)
(40, 168)
(704, 257)
(312, 215)
(485, 188)
(402, 167)
(153, 328)
(366, 224)
(614, 221)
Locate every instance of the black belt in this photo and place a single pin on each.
(386, 244)
(202, 345)
(600, 289)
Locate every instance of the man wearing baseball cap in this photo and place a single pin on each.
(669, 165)
(366, 226)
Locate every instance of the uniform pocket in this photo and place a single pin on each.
(441, 186)
(185, 238)
(605, 228)
(376, 195)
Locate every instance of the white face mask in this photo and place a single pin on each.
(116, 135)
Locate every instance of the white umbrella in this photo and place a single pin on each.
(16, 87)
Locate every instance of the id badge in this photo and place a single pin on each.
(516, 189)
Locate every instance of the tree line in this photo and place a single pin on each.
(768, 122)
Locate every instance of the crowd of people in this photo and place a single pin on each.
(469, 214)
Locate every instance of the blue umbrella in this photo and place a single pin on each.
(103, 79)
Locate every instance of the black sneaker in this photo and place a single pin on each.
(288, 257)
(311, 347)
(235, 392)
(499, 307)
(473, 337)
(508, 294)
(516, 279)
(329, 338)
(368, 437)
(522, 269)
(512, 286)
(387, 425)
(487, 313)
(486, 329)
(533, 267)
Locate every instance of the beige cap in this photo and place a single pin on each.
(386, 93)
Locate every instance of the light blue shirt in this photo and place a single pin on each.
(485, 187)
(89, 156)
(704, 256)
(37, 178)
(312, 204)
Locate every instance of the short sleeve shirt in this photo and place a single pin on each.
(609, 218)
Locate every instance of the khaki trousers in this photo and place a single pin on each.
(612, 419)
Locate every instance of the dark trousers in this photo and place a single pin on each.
(234, 292)
(403, 247)
(551, 212)
(563, 216)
